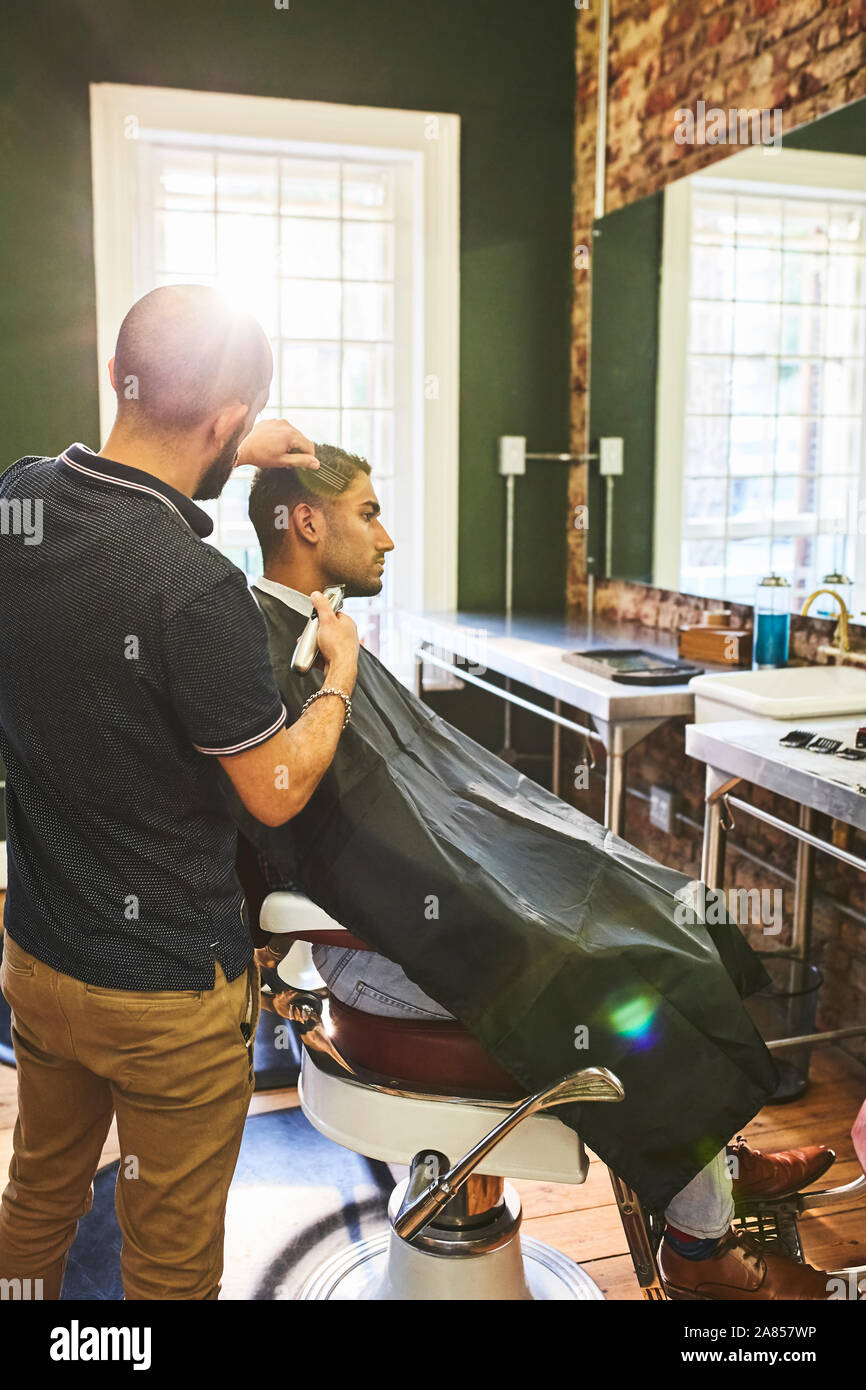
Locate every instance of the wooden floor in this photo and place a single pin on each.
(583, 1221)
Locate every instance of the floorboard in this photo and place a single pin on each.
(583, 1222)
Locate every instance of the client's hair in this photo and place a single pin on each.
(183, 352)
(277, 491)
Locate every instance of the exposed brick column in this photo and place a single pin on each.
(584, 196)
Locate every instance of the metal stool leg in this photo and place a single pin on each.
(642, 1244)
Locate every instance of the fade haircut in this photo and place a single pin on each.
(277, 491)
(183, 352)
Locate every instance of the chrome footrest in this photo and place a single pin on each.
(773, 1225)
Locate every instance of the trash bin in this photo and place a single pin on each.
(786, 1008)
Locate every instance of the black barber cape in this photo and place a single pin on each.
(553, 940)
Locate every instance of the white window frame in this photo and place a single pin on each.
(810, 170)
(120, 114)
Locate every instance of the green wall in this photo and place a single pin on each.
(505, 67)
(626, 257)
(626, 269)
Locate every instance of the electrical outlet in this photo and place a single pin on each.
(662, 809)
(610, 457)
(512, 454)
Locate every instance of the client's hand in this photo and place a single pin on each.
(276, 444)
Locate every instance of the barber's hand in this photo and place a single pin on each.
(338, 644)
(276, 444)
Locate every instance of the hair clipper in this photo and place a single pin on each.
(308, 642)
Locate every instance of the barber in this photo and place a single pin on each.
(134, 674)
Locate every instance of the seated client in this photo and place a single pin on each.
(488, 899)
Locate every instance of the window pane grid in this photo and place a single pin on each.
(308, 245)
(775, 389)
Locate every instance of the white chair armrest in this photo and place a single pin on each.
(294, 912)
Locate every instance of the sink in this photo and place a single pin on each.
(793, 692)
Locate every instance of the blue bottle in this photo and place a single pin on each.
(772, 622)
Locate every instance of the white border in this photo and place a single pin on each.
(120, 114)
(673, 323)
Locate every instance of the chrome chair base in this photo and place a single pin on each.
(524, 1269)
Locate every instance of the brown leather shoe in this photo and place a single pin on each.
(740, 1270)
(758, 1175)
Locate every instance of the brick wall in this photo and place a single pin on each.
(802, 56)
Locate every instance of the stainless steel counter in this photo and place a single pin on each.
(530, 650)
(748, 750)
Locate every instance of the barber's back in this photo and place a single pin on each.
(120, 844)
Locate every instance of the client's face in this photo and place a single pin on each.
(356, 542)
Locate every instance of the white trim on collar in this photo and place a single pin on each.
(292, 598)
(123, 482)
(137, 480)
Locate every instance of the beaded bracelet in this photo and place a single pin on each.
(330, 690)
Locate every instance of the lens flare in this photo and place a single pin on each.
(633, 1019)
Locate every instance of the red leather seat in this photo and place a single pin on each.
(418, 1054)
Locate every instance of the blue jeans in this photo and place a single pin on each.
(375, 985)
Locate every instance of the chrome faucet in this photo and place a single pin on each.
(840, 636)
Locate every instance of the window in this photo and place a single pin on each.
(337, 227)
(309, 246)
(760, 462)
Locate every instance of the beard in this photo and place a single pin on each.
(343, 565)
(217, 473)
(360, 588)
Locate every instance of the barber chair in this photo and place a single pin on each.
(426, 1095)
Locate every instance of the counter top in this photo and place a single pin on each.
(750, 748)
(529, 649)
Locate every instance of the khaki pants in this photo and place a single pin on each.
(175, 1069)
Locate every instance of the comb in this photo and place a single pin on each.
(338, 481)
(329, 476)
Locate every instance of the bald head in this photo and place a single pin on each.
(182, 353)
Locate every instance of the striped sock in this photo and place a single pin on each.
(691, 1247)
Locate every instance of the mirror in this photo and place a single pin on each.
(728, 351)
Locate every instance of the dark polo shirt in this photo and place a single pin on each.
(131, 655)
